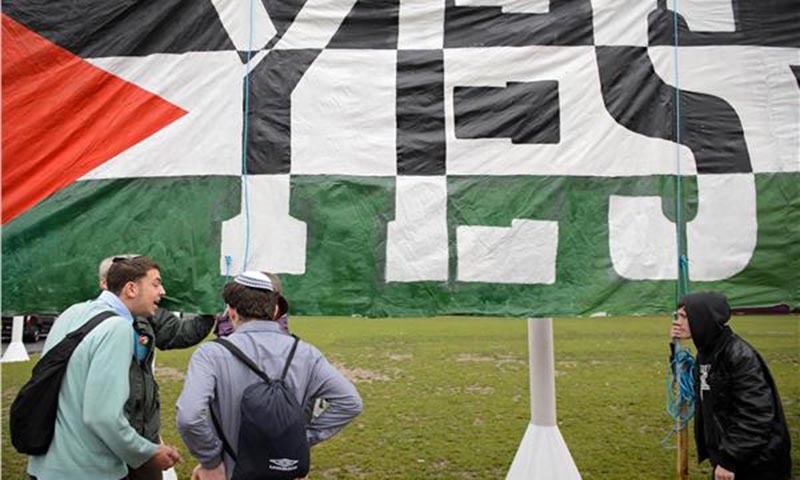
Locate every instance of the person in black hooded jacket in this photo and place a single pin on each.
(739, 421)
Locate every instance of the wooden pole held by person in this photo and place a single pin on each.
(682, 454)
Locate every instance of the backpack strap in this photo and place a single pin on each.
(247, 361)
(225, 445)
(87, 327)
(250, 364)
(243, 358)
(32, 417)
(291, 356)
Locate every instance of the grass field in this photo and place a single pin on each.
(447, 398)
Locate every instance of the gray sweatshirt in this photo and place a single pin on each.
(214, 374)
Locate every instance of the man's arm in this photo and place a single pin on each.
(343, 402)
(751, 413)
(107, 390)
(174, 332)
(194, 416)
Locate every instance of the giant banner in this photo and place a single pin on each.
(405, 157)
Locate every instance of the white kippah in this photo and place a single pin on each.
(254, 279)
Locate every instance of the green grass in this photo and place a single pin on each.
(447, 398)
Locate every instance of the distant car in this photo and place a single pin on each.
(35, 327)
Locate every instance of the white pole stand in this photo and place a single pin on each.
(543, 454)
(170, 473)
(16, 349)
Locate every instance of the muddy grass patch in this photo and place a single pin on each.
(498, 360)
(399, 357)
(169, 373)
(362, 375)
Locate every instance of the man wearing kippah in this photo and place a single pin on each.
(215, 381)
(225, 328)
(165, 331)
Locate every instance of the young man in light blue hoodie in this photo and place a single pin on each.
(93, 440)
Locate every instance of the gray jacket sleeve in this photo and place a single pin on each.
(194, 417)
(343, 401)
(174, 332)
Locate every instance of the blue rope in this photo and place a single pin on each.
(680, 376)
(228, 261)
(680, 389)
(245, 190)
(683, 275)
(245, 133)
(682, 285)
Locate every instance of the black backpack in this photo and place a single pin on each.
(33, 414)
(272, 430)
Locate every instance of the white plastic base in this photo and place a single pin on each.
(16, 349)
(15, 353)
(170, 474)
(543, 455)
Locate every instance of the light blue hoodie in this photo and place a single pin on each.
(93, 439)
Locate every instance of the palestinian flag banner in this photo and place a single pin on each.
(405, 157)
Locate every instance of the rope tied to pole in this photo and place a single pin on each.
(680, 375)
(680, 389)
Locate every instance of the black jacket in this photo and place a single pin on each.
(166, 331)
(739, 420)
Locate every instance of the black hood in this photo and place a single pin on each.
(708, 314)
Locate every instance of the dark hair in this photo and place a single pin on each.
(277, 285)
(124, 270)
(250, 303)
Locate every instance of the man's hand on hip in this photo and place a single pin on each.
(216, 473)
(720, 473)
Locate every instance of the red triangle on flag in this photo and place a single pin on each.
(63, 117)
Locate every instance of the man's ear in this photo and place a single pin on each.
(130, 290)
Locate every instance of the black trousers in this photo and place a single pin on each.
(144, 472)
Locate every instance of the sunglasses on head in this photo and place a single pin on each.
(125, 258)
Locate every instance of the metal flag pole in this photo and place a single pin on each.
(543, 454)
